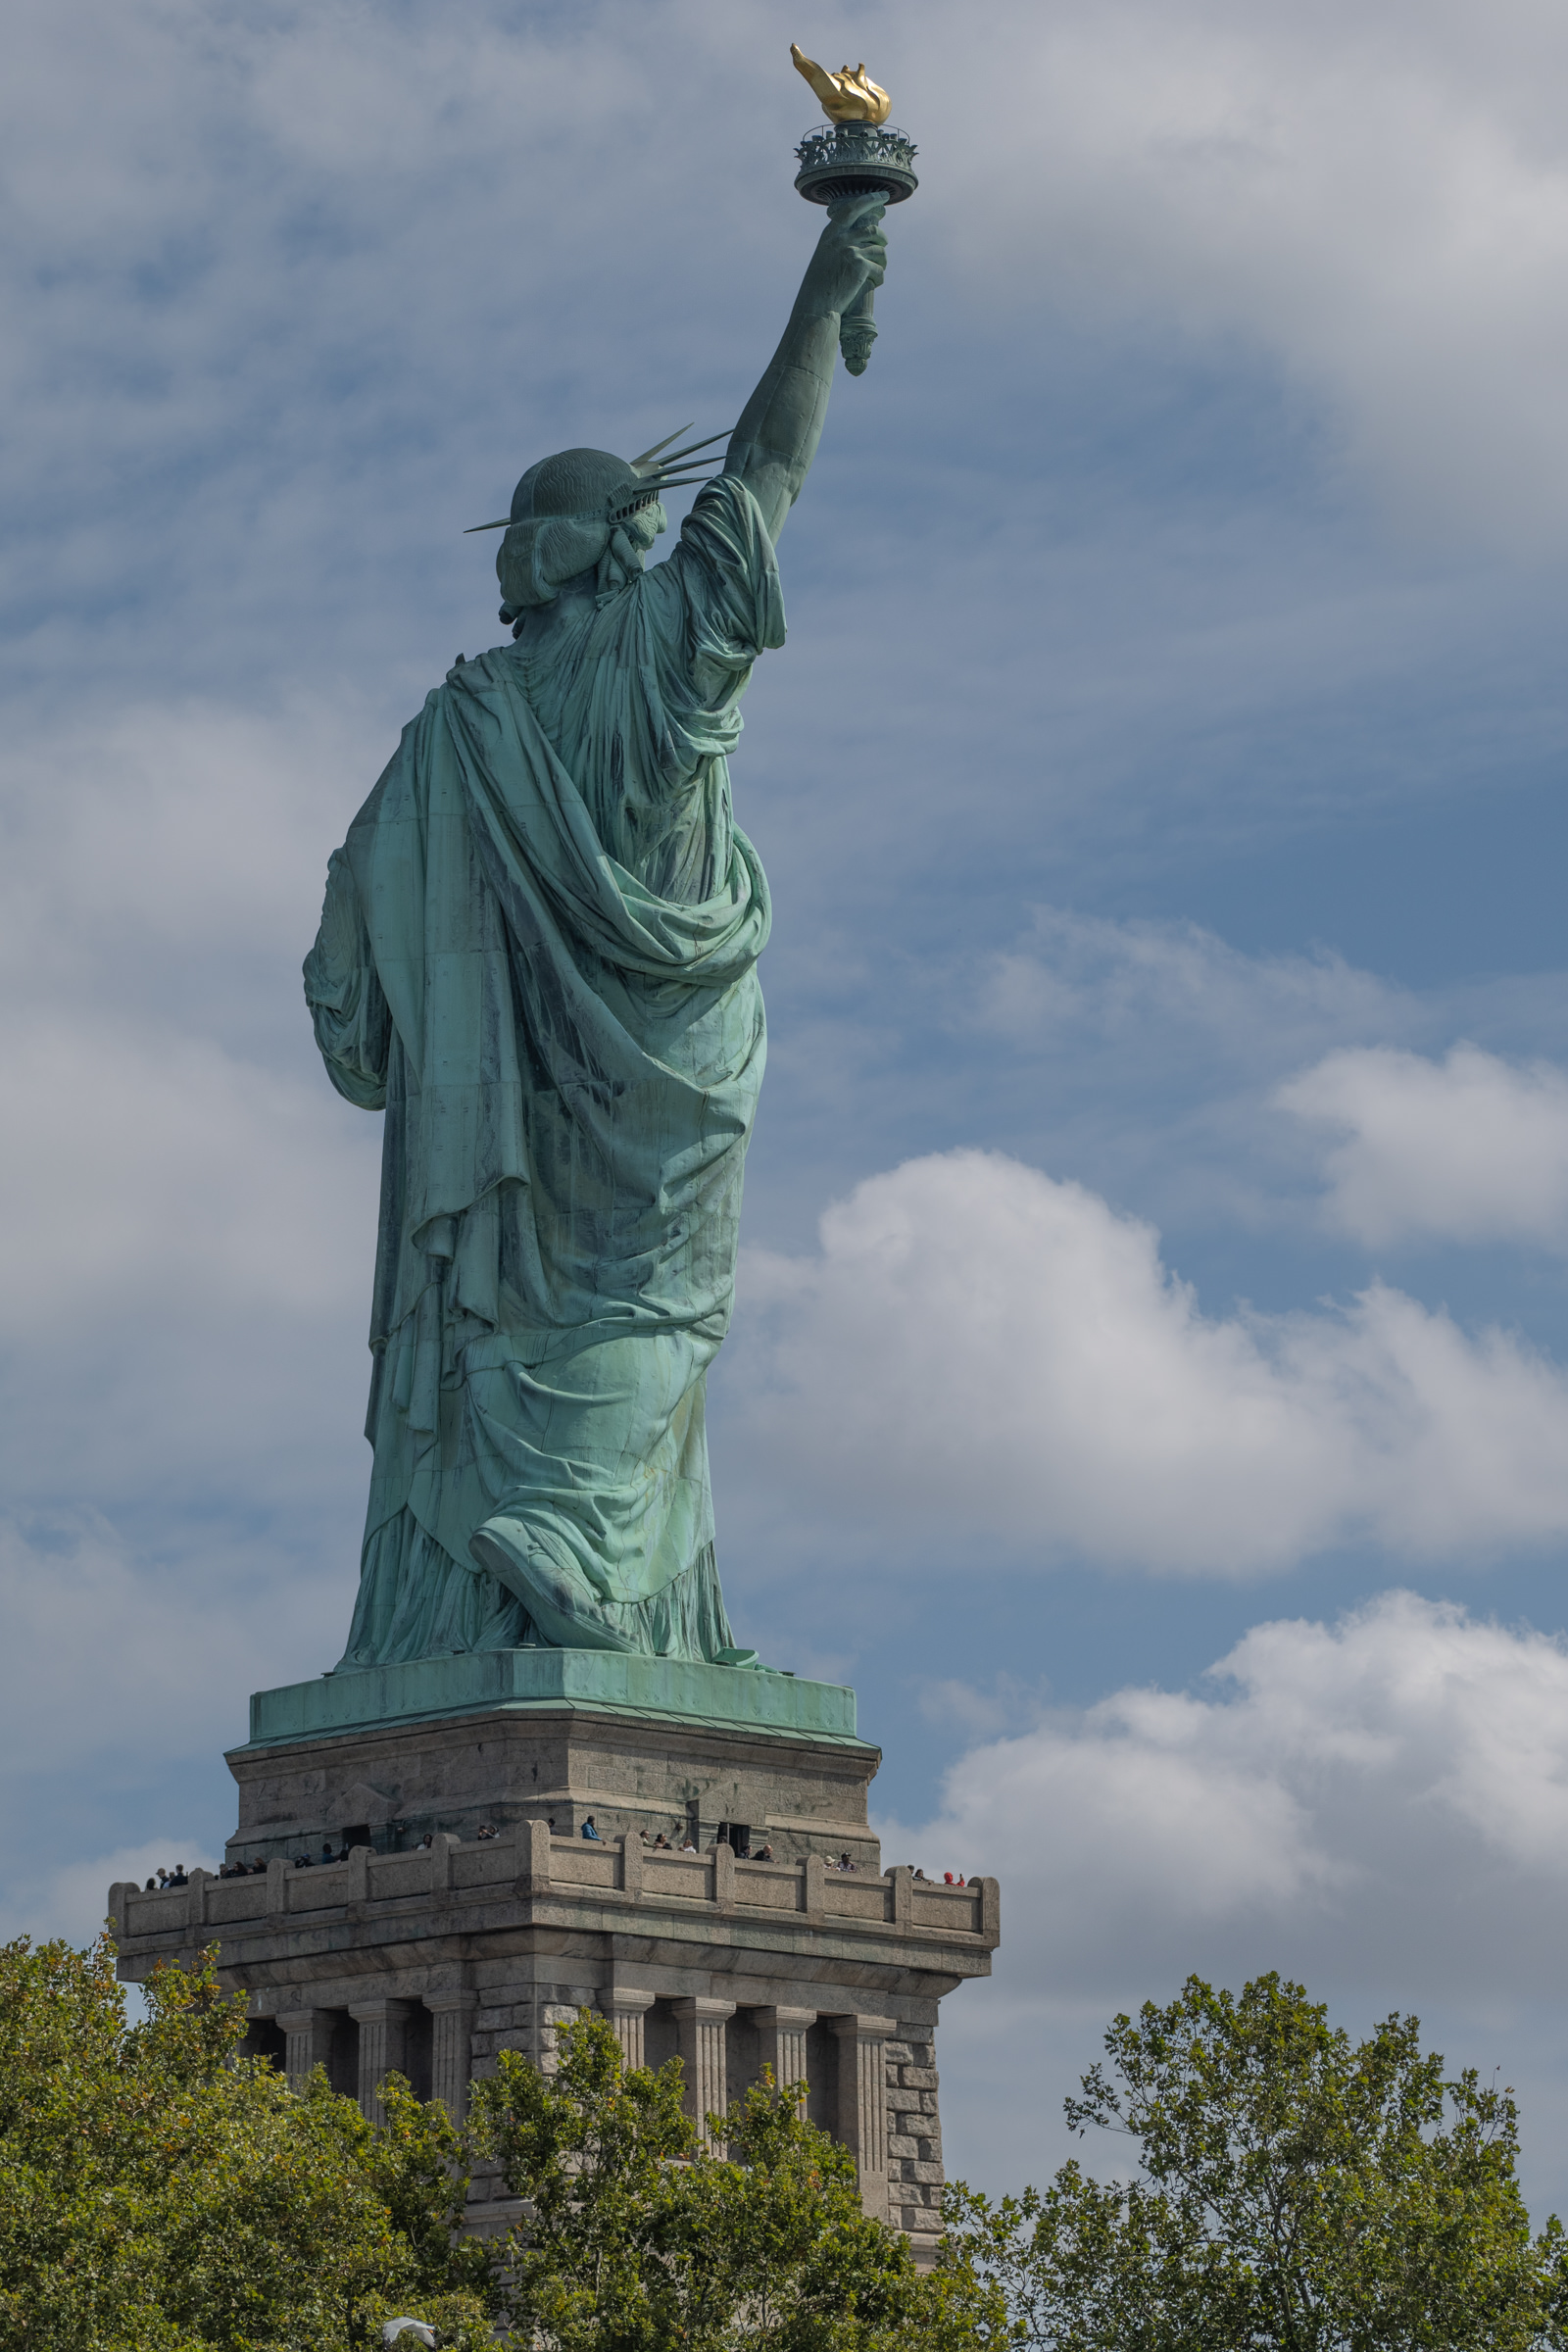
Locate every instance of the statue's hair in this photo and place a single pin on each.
(583, 508)
(569, 514)
(535, 559)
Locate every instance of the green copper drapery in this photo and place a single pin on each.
(538, 950)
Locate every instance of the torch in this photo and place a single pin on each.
(859, 154)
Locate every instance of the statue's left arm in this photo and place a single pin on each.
(353, 1025)
(773, 445)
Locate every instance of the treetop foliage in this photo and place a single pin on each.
(161, 2194)
(1285, 2191)
(1293, 2190)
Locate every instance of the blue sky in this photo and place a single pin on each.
(1158, 1210)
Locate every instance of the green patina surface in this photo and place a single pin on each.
(537, 956)
(519, 1679)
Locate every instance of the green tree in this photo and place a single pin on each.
(636, 2237)
(160, 2193)
(1294, 2190)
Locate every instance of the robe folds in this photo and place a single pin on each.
(538, 954)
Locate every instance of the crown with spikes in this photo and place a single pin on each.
(576, 483)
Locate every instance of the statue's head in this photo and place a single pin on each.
(580, 512)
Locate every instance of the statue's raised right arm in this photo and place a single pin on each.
(773, 445)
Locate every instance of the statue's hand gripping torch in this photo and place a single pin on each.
(856, 155)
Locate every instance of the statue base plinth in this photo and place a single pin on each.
(478, 1682)
(431, 1947)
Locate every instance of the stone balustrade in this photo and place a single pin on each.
(530, 1855)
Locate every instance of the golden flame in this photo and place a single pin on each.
(847, 96)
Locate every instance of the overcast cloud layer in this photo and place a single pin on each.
(1161, 1183)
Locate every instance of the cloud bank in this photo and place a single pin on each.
(1377, 1808)
(979, 1348)
(1382, 1801)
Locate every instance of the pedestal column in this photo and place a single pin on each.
(383, 2028)
(626, 2011)
(862, 2119)
(781, 2044)
(308, 2038)
(700, 2034)
(451, 2035)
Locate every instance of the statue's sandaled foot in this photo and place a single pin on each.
(560, 1601)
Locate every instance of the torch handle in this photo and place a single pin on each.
(858, 333)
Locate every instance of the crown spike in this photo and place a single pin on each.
(637, 464)
(690, 483)
(692, 447)
(673, 474)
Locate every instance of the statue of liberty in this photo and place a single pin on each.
(538, 954)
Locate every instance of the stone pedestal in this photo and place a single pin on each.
(431, 1957)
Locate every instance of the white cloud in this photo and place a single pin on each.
(1471, 1148)
(980, 1348)
(1384, 1799)
(1377, 1808)
(1378, 199)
